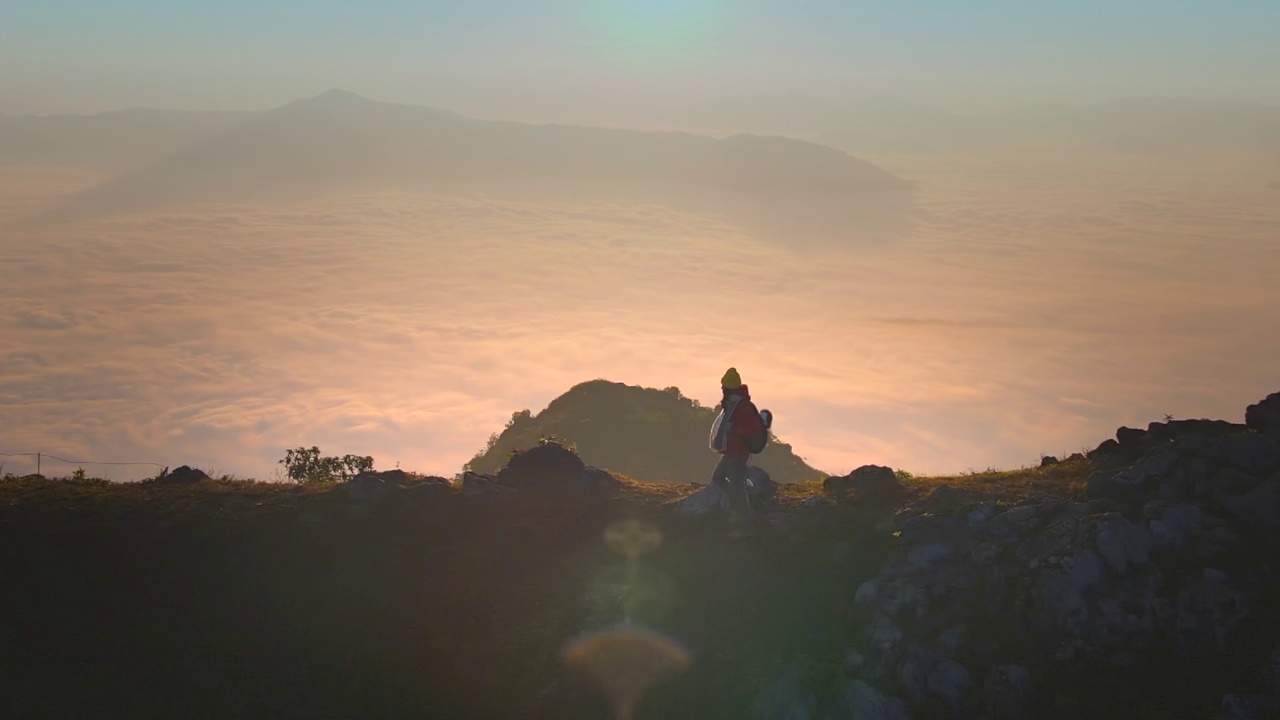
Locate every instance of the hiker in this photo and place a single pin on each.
(740, 422)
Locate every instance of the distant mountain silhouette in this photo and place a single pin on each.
(646, 434)
(1151, 124)
(888, 125)
(116, 140)
(339, 140)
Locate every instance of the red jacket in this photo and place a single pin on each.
(744, 423)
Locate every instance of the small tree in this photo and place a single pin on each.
(306, 465)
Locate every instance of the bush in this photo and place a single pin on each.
(306, 465)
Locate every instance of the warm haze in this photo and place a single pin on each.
(1073, 223)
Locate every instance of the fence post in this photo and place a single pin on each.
(37, 463)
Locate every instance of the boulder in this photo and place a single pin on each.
(1175, 526)
(547, 462)
(760, 487)
(711, 498)
(1271, 672)
(1128, 435)
(1227, 481)
(1122, 544)
(945, 497)
(552, 468)
(1248, 707)
(1260, 506)
(366, 486)
(1105, 448)
(1264, 415)
(395, 476)
(863, 702)
(477, 485)
(1006, 693)
(1048, 460)
(1243, 449)
(183, 475)
(1207, 610)
(926, 674)
(867, 480)
(785, 698)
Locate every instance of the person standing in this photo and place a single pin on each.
(738, 423)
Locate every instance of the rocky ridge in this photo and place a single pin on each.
(1170, 557)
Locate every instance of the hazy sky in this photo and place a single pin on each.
(525, 57)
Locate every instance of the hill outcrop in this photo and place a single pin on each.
(646, 434)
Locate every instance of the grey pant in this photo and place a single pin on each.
(731, 475)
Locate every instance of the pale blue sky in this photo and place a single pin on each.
(508, 56)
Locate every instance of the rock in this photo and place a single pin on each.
(760, 487)
(866, 592)
(1048, 460)
(709, 499)
(552, 468)
(1176, 526)
(945, 497)
(1104, 449)
(396, 477)
(863, 702)
(1075, 457)
(981, 513)
(1022, 518)
(597, 481)
(1135, 482)
(548, 463)
(477, 485)
(366, 486)
(1260, 507)
(1245, 450)
(1227, 481)
(785, 698)
(866, 480)
(1086, 569)
(1249, 707)
(883, 635)
(1264, 416)
(1122, 544)
(1184, 479)
(1173, 429)
(183, 475)
(1271, 672)
(429, 487)
(926, 555)
(929, 675)
(1207, 610)
(1128, 435)
(1006, 693)
(951, 640)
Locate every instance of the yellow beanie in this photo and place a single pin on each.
(730, 379)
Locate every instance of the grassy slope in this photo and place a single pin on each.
(231, 599)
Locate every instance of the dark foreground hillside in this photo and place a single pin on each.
(1141, 581)
(221, 600)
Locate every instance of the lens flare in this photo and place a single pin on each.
(633, 538)
(625, 662)
(654, 34)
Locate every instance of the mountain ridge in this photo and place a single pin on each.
(338, 140)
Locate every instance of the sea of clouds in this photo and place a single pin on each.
(1021, 308)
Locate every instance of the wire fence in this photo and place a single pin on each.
(40, 459)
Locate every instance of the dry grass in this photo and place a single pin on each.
(228, 498)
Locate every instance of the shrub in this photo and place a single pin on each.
(306, 465)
